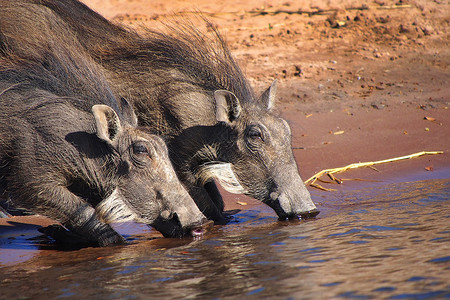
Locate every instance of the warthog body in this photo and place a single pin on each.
(70, 151)
(186, 86)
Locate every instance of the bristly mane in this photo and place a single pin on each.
(208, 58)
(203, 58)
(55, 67)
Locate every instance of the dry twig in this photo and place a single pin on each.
(330, 172)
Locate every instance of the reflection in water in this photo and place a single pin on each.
(390, 242)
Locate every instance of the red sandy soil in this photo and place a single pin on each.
(356, 78)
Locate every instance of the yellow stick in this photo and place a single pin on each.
(370, 163)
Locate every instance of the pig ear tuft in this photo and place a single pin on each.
(268, 97)
(228, 107)
(107, 123)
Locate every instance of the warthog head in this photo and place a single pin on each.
(148, 190)
(258, 160)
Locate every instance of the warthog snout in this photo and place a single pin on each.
(290, 199)
(287, 209)
(283, 215)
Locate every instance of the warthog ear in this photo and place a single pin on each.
(107, 123)
(128, 111)
(228, 107)
(268, 97)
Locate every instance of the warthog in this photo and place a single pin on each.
(70, 151)
(186, 86)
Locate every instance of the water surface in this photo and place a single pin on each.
(389, 241)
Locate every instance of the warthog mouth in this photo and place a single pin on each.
(171, 228)
(198, 232)
(301, 216)
(289, 210)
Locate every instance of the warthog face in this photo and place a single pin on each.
(148, 190)
(259, 160)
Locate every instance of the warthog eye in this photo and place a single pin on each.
(139, 149)
(254, 132)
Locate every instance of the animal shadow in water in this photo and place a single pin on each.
(22, 235)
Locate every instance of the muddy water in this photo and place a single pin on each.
(390, 241)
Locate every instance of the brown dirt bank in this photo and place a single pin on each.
(370, 71)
